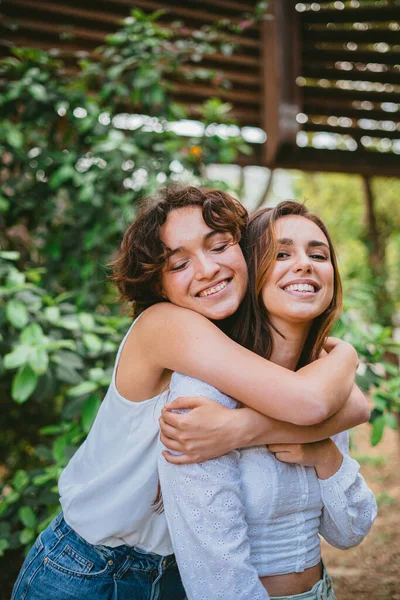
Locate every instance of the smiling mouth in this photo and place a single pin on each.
(303, 288)
(213, 290)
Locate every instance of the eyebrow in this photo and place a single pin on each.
(311, 243)
(206, 237)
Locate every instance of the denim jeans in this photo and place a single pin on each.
(63, 566)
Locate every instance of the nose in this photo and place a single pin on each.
(206, 267)
(303, 264)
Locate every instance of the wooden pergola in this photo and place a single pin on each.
(322, 79)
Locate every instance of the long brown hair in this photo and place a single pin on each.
(137, 267)
(259, 244)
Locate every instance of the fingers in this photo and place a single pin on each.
(284, 457)
(186, 402)
(181, 459)
(170, 418)
(171, 444)
(167, 430)
(279, 447)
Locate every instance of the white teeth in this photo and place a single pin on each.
(213, 290)
(300, 287)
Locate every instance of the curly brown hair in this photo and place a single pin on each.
(136, 270)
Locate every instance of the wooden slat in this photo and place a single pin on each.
(309, 108)
(54, 8)
(193, 90)
(317, 72)
(321, 56)
(49, 28)
(110, 21)
(334, 94)
(178, 11)
(370, 36)
(352, 15)
(355, 132)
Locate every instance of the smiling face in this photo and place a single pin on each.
(206, 271)
(300, 285)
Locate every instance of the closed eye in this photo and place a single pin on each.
(220, 248)
(179, 267)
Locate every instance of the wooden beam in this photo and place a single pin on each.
(280, 67)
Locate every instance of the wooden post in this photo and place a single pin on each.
(280, 68)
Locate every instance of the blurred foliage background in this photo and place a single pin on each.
(73, 165)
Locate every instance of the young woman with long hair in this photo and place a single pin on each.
(245, 525)
(182, 269)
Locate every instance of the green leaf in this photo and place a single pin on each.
(14, 137)
(89, 412)
(63, 174)
(92, 342)
(33, 334)
(390, 420)
(24, 384)
(26, 536)
(17, 357)
(377, 430)
(27, 517)
(9, 255)
(16, 313)
(87, 321)
(82, 389)
(20, 480)
(39, 361)
(3, 546)
(52, 313)
(38, 92)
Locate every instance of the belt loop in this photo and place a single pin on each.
(125, 566)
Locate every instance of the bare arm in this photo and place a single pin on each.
(210, 430)
(189, 343)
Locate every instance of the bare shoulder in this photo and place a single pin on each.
(165, 317)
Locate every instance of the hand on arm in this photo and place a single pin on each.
(324, 456)
(210, 429)
(190, 344)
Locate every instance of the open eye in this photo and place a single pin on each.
(318, 256)
(282, 254)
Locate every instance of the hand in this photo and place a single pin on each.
(205, 432)
(324, 456)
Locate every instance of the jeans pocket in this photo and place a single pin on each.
(73, 558)
(28, 562)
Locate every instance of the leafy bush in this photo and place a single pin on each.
(74, 161)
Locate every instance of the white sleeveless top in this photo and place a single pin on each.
(108, 487)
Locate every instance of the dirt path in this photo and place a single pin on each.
(372, 570)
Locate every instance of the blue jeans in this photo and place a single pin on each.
(63, 566)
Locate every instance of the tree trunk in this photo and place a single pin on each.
(376, 255)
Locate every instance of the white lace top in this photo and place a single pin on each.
(245, 515)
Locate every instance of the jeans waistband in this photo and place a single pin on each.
(60, 528)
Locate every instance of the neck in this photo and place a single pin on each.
(287, 350)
